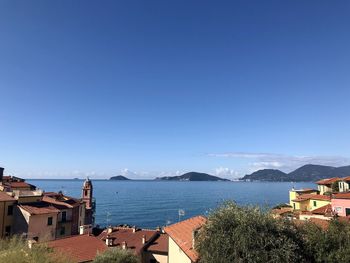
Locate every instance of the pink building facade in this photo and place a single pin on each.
(341, 204)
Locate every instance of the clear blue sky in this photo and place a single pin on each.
(146, 88)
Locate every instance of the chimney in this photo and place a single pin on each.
(31, 243)
(134, 229)
(109, 241)
(194, 236)
(1, 173)
(143, 239)
(124, 245)
(85, 230)
(109, 230)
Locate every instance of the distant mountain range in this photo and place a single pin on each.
(192, 176)
(119, 178)
(306, 173)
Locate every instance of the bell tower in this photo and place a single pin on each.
(87, 193)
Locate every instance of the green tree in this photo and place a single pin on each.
(16, 250)
(335, 187)
(116, 255)
(328, 246)
(247, 234)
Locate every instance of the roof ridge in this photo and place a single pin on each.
(188, 219)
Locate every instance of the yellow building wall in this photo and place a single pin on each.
(37, 226)
(323, 189)
(5, 219)
(319, 203)
(292, 196)
(176, 255)
(147, 256)
(309, 205)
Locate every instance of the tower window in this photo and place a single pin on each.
(64, 216)
(86, 192)
(49, 221)
(7, 230)
(10, 210)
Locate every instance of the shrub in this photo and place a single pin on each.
(246, 234)
(16, 250)
(328, 246)
(116, 255)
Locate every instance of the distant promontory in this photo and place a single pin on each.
(306, 173)
(192, 176)
(119, 178)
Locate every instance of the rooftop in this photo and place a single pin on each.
(328, 181)
(133, 239)
(346, 178)
(305, 197)
(81, 248)
(39, 208)
(61, 200)
(345, 195)
(5, 197)
(305, 190)
(324, 210)
(159, 244)
(19, 185)
(181, 233)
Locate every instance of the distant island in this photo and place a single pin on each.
(306, 173)
(192, 176)
(119, 178)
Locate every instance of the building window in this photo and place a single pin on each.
(64, 216)
(347, 211)
(62, 231)
(86, 192)
(7, 231)
(338, 209)
(315, 203)
(10, 210)
(49, 221)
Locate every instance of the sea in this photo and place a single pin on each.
(149, 204)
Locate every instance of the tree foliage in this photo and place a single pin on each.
(247, 234)
(116, 255)
(16, 250)
(335, 187)
(328, 246)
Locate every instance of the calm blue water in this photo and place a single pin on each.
(156, 203)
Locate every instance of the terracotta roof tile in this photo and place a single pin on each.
(281, 211)
(317, 221)
(313, 197)
(5, 197)
(19, 185)
(345, 195)
(320, 222)
(61, 200)
(133, 239)
(328, 181)
(81, 248)
(346, 178)
(39, 208)
(324, 210)
(160, 244)
(181, 233)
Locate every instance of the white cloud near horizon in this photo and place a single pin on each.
(283, 162)
(226, 172)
